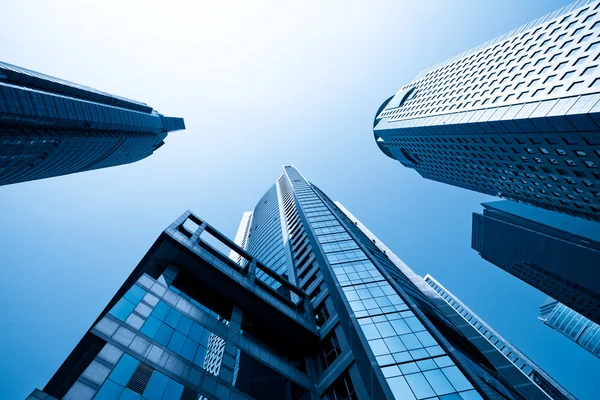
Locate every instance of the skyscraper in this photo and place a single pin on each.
(51, 127)
(312, 305)
(555, 253)
(517, 117)
(571, 324)
(538, 376)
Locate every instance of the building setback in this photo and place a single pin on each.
(555, 253)
(538, 376)
(311, 306)
(51, 127)
(571, 324)
(517, 117)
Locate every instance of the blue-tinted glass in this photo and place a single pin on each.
(174, 391)
(471, 395)
(443, 361)
(452, 396)
(173, 317)
(196, 332)
(378, 347)
(164, 334)
(410, 341)
(419, 386)
(129, 394)
(394, 344)
(189, 349)
(122, 309)
(109, 391)
(135, 294)
(400, 388)
(176, 342)
(457, 379)
(200, 355)
(426, 339)
(184, 325)
(124, 369)
(156, 386)
(438, 382)
(151, 327)
(161, 310)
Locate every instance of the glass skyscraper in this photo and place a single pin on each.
(571, 324)
(538, 376)
(51, 127)
(555, 253)
(310, 305)
(517, 117)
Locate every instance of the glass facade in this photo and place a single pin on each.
(571, 324)
(51, 127)
(310, 306)
(516, 117)
(536, 375)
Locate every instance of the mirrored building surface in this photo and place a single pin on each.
(517, 117)
(535, 374)
(310, 306)
(573, 325)
(555, 253)
(51, 127)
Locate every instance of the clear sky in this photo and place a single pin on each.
(260, 84)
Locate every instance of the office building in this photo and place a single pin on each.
(538, 376)
(310, 306)
(51, 127)
(517, 117)
(555, 253)
(571, 324)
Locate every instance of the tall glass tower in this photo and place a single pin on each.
(571, 324)
(310, 305)
(517, 117)
(51, 127)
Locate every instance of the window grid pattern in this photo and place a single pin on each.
(574, 326)
(517, 118)
(376, 302)
(555, 58)
(535, 373)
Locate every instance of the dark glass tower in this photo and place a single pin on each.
(517, 117)
(555, 253)
(571, 324)
(312, 307)
(51, 127)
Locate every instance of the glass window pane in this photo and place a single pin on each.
(196, 332)
(156, 386)
(109, 391)
(184, 325)
(189, 349)
(161, 310)
(135, 294)
(471, 395)
(438, 382)
(122, 309)
(378, 347)
(164, 334)
(173, 317)
(394, 344)
(176, 342)
(124, 369)
(400, 388)
(457, 378)
(151, 327)
(200, 356)
(129, 394)
(173, 391)
(419, 386)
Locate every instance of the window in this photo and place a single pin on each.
(330, 350)
(341, 389)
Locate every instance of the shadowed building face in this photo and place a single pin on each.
(51, 127)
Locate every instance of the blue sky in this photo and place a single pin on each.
(260, 84)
